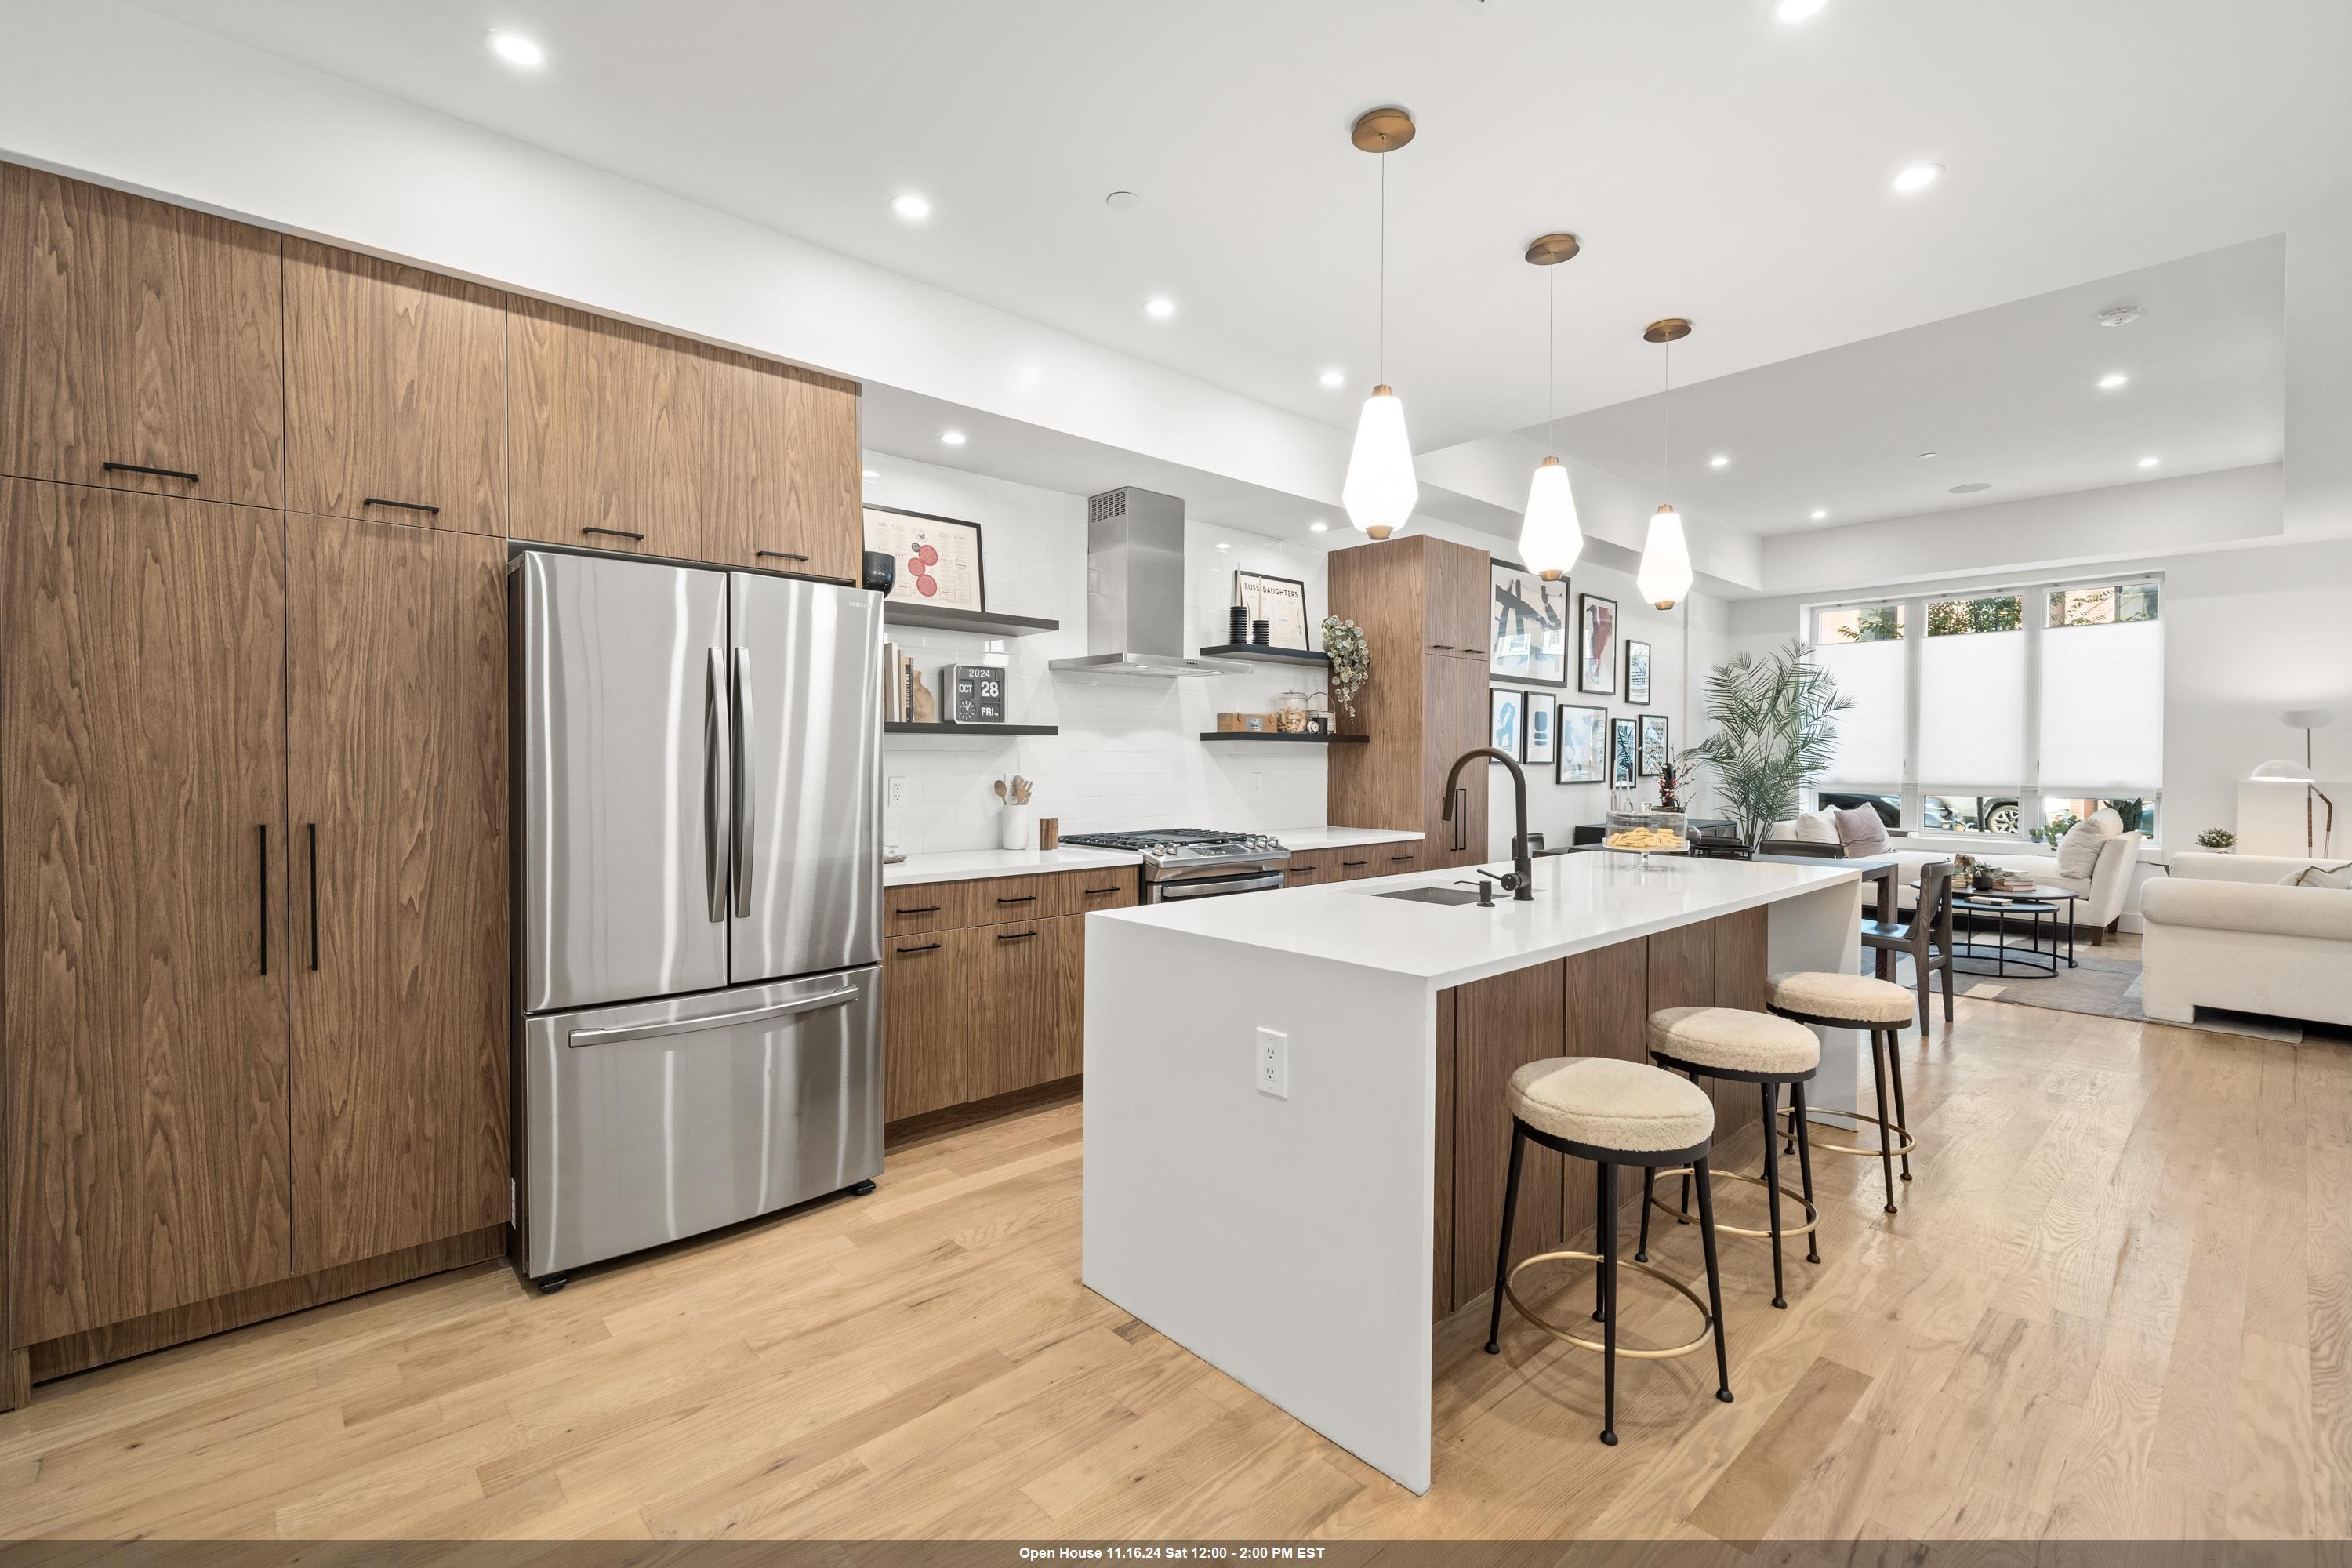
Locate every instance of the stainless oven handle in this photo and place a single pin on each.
(1175, 892)
(716, 1021)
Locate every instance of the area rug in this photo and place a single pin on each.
(2105, 987)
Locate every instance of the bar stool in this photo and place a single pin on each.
(1613, 1113)
(1834, 1001)
(1741, 1046)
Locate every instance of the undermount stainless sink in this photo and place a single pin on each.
(1433, 895)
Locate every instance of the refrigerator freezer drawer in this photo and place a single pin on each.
(662, 1120)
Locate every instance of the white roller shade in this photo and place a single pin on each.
(1870, 733)
(1971, 711)
(2102, 708)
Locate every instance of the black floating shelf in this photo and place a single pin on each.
(900, 727)
(1281, 740)
(1257, 655)
(985, 623)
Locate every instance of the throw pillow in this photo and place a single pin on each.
(2078, 852)
(2337, 877)
(2109, 819)
(1860, 831)
(1817, 827)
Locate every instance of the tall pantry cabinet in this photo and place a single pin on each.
(253, 773)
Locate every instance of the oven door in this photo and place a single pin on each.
(1257, 879)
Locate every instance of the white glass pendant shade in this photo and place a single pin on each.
(1551, 538)
(1379, 492)
(1666, 574)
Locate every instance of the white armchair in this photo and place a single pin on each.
(2224, 931)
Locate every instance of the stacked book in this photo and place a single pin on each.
(898, 685)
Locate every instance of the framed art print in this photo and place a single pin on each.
(1637, 673)
(1537, 731)
(1596, 644)
(938, 557)
(1580, 736)
(1506, 716)
(1280, 602)
(1624, 754)
(1527, 630)
(1654, 745)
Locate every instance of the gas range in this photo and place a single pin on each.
(1196, 863)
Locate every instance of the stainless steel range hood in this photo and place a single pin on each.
(1135, 590)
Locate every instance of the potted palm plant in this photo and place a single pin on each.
(1773, 725)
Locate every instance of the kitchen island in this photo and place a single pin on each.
(1301, 1234)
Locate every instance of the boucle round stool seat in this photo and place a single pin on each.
(1625, 1106)
(1832, 1000)
(1611, 1112)
(1736, 1045)
(1852, 999)
(1733, 1039)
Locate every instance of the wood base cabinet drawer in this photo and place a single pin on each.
(1312, 870)
(1085, 892)
(922, 906)
(1395, 859)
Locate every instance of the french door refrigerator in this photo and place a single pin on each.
(699, 894)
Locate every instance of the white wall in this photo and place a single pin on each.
(1130, 755)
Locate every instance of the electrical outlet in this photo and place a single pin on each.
(1273, 1073)
(1257, 784)
(897, 795)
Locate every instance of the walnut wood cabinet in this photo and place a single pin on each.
(146, 909)
(396, 681)
(396, 393)
(1421, 603)
(141, 344)
(786, 454)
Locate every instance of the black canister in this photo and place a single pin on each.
(1237, 623)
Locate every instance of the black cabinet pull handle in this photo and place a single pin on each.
(261, 836)
(924, 910)
(778, 554)
(1350, 865)
(143, 468)
(402, 505)
(1100, 892)
(1442, 646)
(1399, 859)
(1018, 936)
(1306, 870)
(1023, 898)
(1462, 819)
(615, 532)
(314, 896)
(927, 947)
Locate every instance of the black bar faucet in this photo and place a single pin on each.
(1522, 879)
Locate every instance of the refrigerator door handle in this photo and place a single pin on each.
(713, 744)
(716, 1021)
(741, 816)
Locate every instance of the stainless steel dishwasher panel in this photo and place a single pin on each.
(657, 1120)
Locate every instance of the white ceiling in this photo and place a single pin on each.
(1719, 165)
(2007, 397)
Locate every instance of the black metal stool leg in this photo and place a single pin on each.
(1805, 1164)
(1649, 1184)
(1609, 1298)
(1713, 1278)
(1902, 1121)
(1503, 1246)
(1772, 1187)
(1886, 1140)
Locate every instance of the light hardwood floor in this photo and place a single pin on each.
(2118, 1302)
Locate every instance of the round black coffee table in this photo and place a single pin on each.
(2032, 961)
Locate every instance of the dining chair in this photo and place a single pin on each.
(1926, 935)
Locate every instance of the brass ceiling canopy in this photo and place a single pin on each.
(1673, 330)
(1381, 130)
(1552, 250)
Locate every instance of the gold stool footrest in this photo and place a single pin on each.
(1813, 1215)
(1707, 1319)
(1903, 1143)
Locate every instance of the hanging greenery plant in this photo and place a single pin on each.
(1351, 661)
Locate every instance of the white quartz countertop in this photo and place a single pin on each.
(970, 865)
(1581, 902)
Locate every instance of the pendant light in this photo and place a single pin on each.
(1550, 537)
(1666, 574)
(1379, 492)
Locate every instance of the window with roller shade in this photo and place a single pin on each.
(2001, 711)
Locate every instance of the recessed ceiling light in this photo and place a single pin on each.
(1317, 526)
(2110, 382)
(1927, 454)
(1122, 201)
(1718, 461)
(518, 50)
(911, 208)
(1334, 377)
(1159, 309)
(2121, 316)
(952, 437)
(1919, 177)
(873, 473)
(2147, 462)
(1970, 490)
(1223, 545)
(1797, 10)
(1819, 514)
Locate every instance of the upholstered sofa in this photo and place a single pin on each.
(2100, 895)
(2226, 930)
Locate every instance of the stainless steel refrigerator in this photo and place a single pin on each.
(699, 893)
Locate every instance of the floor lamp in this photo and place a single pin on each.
(2307, 720)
